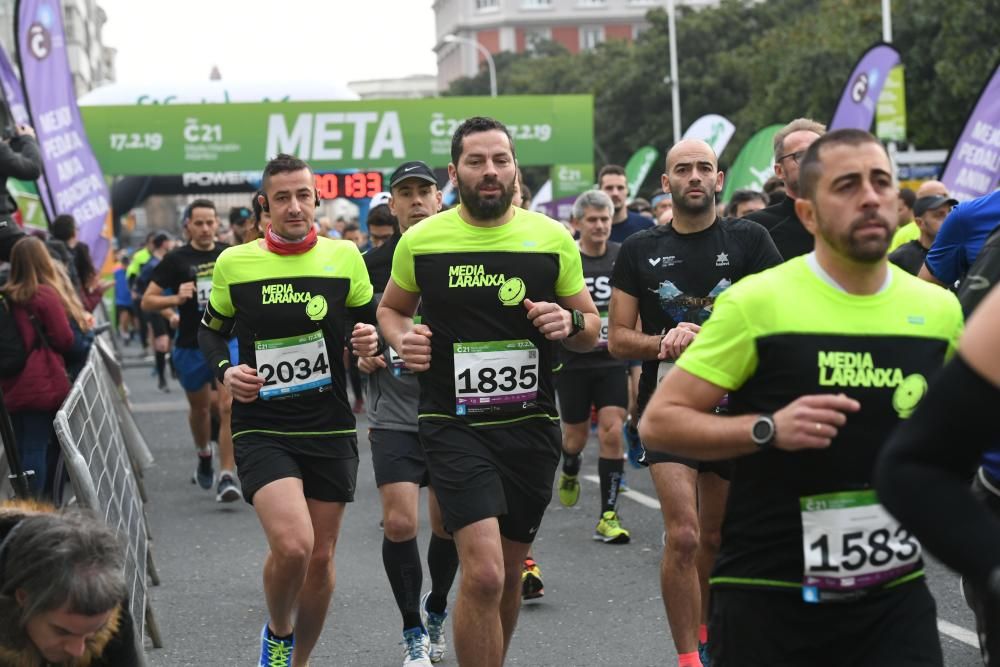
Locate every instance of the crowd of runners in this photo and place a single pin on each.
(757, 360)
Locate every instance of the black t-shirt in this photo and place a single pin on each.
(676, 277)
(183, 265)
(378, 261)
(786, 230)
(909, 256)
(597, 274)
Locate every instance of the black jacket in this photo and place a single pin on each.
(19, 158)
(787, 232)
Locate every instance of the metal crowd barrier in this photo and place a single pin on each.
(103, 449)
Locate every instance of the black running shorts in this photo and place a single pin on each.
(397, 456)
(768, 628)
(478, 473)
(159, 324)
(328, 469)
(578, 389)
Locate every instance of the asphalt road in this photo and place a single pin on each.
(602, 604)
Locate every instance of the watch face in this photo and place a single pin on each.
(578, 320)
(762, 430)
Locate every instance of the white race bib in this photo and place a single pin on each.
(396, 363)
(850, 543)
(203, 289)
(602, 337)
(293, 365)
(662, 369)
(495, 375)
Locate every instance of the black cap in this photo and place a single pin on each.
(414, 169)
(929, 203)
(239, 215)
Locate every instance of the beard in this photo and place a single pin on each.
(484, 209)
(691, 207)
(847, 243)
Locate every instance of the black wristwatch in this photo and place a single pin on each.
(578, 321)
(763, 432)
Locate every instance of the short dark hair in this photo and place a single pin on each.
(198, 203)
(63, 227)
(475, 125)
(811, 166)
(908, 196)
(742, 196)
(352, 227)
(381, 216)
(282, 163)
(609, 170)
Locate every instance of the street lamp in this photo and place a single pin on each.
(675, 84)
(453, 39)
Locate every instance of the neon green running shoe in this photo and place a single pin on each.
(609, 530)
(569, 489)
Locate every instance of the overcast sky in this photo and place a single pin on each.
(345, 40)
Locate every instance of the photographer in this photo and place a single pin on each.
(19, 158)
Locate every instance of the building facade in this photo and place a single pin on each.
(91, 62)
(516, 25)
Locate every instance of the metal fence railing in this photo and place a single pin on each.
(104, 461)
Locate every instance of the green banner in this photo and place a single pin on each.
(175, 139)
(569, 180)
(637, 168)
(890, 112)
(754, 165)
(26, 195)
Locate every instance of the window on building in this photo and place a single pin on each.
(487, 4)
(591, 3)
(534, 36)
(591, 36)
(536, 4)
(644, 3)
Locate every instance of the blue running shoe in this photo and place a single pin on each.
(633, 446)
(416, 645)
(435, 630)
(275, 652)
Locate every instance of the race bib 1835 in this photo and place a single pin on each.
(495, 376)
(293, 365)
(851, 543)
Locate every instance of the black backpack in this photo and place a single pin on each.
(982, 275)
(13, 354)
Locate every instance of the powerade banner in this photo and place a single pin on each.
(75, 182)
(150, 140)
(714, 130)
(754, 165)
(856, 108)
(973, 166)
(25, 193)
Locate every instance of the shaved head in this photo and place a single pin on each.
(931, 188)
(691, 148)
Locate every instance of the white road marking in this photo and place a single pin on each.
(959, 633)
(956, 632)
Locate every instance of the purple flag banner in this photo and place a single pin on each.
(973, 165)
(15, 99)
(76, 184)
(856, 108)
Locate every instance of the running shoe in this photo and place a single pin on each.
(609, 530)
(415, 646)
(531, 580)
(204, 474)
(569, 489)
(703, 654)
(162, 386)
(435, 630)
(275, 652)
(623, 486)
(633, 446)
(226, 491)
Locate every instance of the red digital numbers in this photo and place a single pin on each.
(359, 185)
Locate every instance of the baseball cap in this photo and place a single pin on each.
(924, 204)
(379, 199)
(413, 169)
(238, 215)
